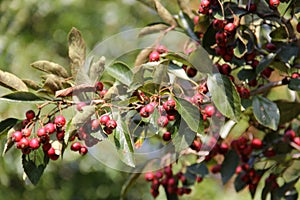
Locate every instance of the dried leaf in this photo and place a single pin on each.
(165, 15)
(77, 51)
(31, 84)
(185, 7)
(97, 69)
(50, 67)
(143, 56)
(53, 83)
(74, 90)
(12, 82)
(152, 29)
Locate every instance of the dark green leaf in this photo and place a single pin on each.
(239, 184)
(288, 111)
(232, 9)
(266, 112)
(50, 67)
(279, 34)
(22, 96)
(77, 51)
(191, 114)
(12, 82)
(121, 72)
(34, 165)
(241, 49)
(246, 75)
(154, 28)
(7, 124)
(184, 136)
(265, 62)
(200, 60)
(294, 84)
(282, 191)
(209, 39)
(288, 53)
(160, 74)
(224, 96)
(199, 169)
(229, 165)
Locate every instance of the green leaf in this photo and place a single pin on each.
(200, 60)
(137, 77)
(224, 96)
(77, 51)
(209, 40)
(288, 111)
(241, 49)
(239, 184)
(229, 165)
(292, 172)
(123, 141)
(184, 136)
(129, 182)
(50, 67)
(7, 124)
(226, 128)
(294, 84)
(279, 34)
(288, 53)
(246, 74)
(31, 84)
(199, 169)
(265, 62)
(121, 72)
(266, 112)
(12, 82)
(153, 28)
(177, 57)
(160, 74)
(177, 71)
(34, 165)
(191, 114)
(239, 128)
(100, 135)
(22, 96)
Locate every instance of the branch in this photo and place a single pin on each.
(266, 87)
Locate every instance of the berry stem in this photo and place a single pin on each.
(265, 87)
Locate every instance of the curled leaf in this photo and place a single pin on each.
(12, 82)
(77, 51)
(97, 69)
(152, 29)
(53, 83)
(50, 67)
(164, 13)
(143, 56)
(31, 84)
(74, 90)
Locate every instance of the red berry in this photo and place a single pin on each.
(218, 24)
(256, 143)
(80, 105)
(149, 176)
(269, 153)
(51, 151)
(149, 108)
(34, 143)
(83, 150)
(196, 19)
(199, 179)
(274, 3)
(104, 119)
(162, 121)
(221, 38)
(161, 49)
(26, 132)
(297, 140)
(60, 121)
(223, 148)
(17, 136)
(30, 115)
(171, 117)
(23, 143)
(41, 132)
(107, 130)
(154, 56)
(267, 72)
(271, 47)
(154, 193)
(191, 72)
(60, 135)
(244, 92)
(169, 105)
(298, 27)
(197, 99)
(99, 86)
(209, 110)
(229, 28)
(225, 69)
(295, 75)
(46, 147)
(143, 113)
(75, 146)
(26, 151)
(95, 124)
(50, 128)
(103, 93)
(216, 169)
(167, 136)
(290, 134)
(196, 145)
(159, 174)
(187, 190)
(251, 7)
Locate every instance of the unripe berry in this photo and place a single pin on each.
(167, 136)
(162, 121)
(83, 150)
(23, 143)
(50, 128)
(104, 119)
(34, 143)
(154, 56)
(17, 136)
(30, 115)
(60, 121)
(103, 93)
(99, 86)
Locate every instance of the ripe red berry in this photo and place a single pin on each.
(103, 93)
(104, 119)
(229, 28)
(83, 150)
(197, 99)
(23, 143)
(221, 38)
(251, 7)
(225, 69)
(171, 117)
(297, 140)
(290, 134)
(99, 86)
(107, 130)
(51, 151)
(60, 121)
(223, 148)
(111, 124)
(169, 105)
(159, 174)
(60, 135)
(46, 147)
(298, 27)
(41, 132)
(295, 75)
(143, 113)
(50, 128)
(16, 136)
(149, 108)
(199, 179)
(271, 47)
(256, 143)
(149, 176)
(196, 145)
(154, 193)
(216, 169)
(167, 136)
(162, 121)
(34, 143)
(191, 72)
(209, 110)
(26, 132)
(161, 49)
(218, 24)
(30, 115)
(244, 92)
(154, 56)
(274, 3)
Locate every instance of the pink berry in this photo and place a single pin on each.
(80, 105)
(154, 56)
(209, 110)
(149, 108)
(60, 121)
(17, 136)
(34, 143)
(83, 150)
(50, 128)
(104, 119)
(162, 121)
(41, 132)
(23, 143)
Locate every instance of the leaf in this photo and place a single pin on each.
(239, 184)
(288, 111)
(77, 51)
(7, 124)
(50, 67)
(177, 71)
(129, 182)
(31, 84)
(100, 135)
(288, 53)
(294, 84)
(246, 74)
(229, 165)
(123, 141)
(160, 74)
(200, 60)
(164, 13)
(22, 96)
(182, 58)
(241, 49)
(137, 77)
(143, 56)
(239, 128)
(154, 28)
(292, 172)
(224, 96)
(190, 114)
(199, 169)
(53, 83)
(12, 82)
(184, 136)
(226, 128)
(185, 7)
(265, 62)
(266, 112)
(209, 40)
(34, 165)
(97, 69)
(121, 72)
(9, 143)
(75, 90)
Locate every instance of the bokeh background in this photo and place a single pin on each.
(34, 30)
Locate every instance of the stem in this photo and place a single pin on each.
(266, 87)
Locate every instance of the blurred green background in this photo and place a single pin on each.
(34, 30)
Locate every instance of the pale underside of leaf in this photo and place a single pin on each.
(50, 67)
(152, 29)
(97, 69)
(12, 82)
(164, 13)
